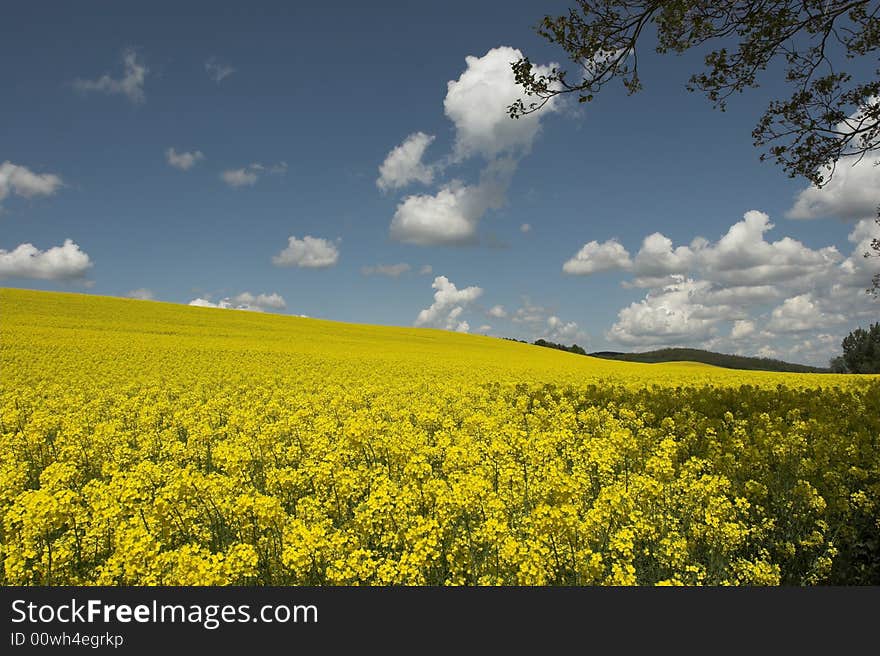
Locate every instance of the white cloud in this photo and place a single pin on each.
(65, 262)
(525, 227)
(857, 270)
(141, 294)
(426, 270)
(852, 193)
(183, 161)
(452, 214)
(657, 258)
(497, 311)
(777, 297)
(530, 314)
(248, 175)
(540, 321)
(768, 352)
(477, 104)
(801, 313)
(218, 71)
(741, 295)
(485, 328)
(818, 349)
(279, 168)
(743, 257)
(239, 177)
(204, 302)
(741, 263)
(448, 217)
(562, 331)
(273, 301)
(403, 165)
(389, 270)
(594, 257)
(244, 301)
(742, 328)
(21, 181)
(130, 85)
(665, 317)
(308, 252)
(449, 303)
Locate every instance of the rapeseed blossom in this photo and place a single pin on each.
(151, 444)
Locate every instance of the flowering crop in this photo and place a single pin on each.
(146, 443)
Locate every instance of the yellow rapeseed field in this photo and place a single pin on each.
(146, 443)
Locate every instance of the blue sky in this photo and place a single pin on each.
(281, 118)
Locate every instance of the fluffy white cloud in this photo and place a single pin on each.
(244, 301)
(768, 352)
(594, 257)
(21, 181)
(141, 294)
(389, 270)
(204, 302)
(184, 161)
(815, 349)
(665, 317)
(525, 227)
(741, 263)
(218, 71)
(743, 257)
(448, 217)
(842, 293)
(279, 168)
(272, 301)
(852, 193)
(801, 313)
(66, 262)
(742, 328)
(248, 175)
(563, 331)
(530, 314)
(449, 303)
(742, 295)
(130, 85)
(404, 165)
(477, 104)
(775, 296)
(497, 311)
(239, 177)
(539, 321)
(308, 252)
(484, 329)
(857, 270)
(656, 258)
(452, 214)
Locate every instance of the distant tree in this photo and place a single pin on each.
(861, 350)
(574, 348)
(838, 365)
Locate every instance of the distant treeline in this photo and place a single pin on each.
(710, 357)
(574, 348)
(688, 355)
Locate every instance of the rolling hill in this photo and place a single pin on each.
(709, 357)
